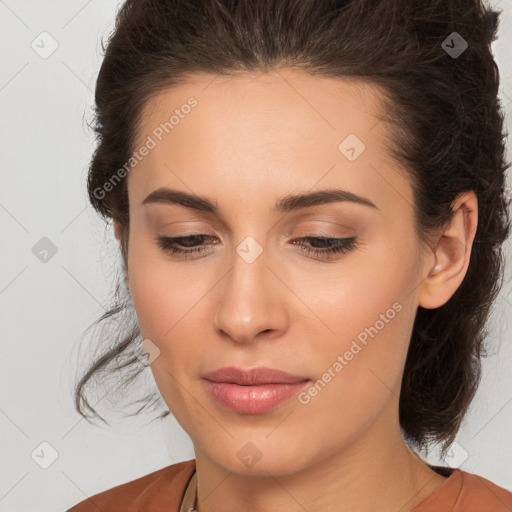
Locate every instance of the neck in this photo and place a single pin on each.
(376, 471)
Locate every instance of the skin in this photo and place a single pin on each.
(251, 140)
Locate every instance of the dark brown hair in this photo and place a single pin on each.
(447, 131)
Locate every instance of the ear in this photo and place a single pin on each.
(117, 229)
(452, 253)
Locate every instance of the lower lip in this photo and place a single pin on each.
(252, 399)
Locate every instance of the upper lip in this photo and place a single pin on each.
(253, 376)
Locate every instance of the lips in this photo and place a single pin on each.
(252, 377)
(252, 391)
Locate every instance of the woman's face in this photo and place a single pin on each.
(251, 295)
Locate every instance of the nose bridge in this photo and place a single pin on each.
(248, 303)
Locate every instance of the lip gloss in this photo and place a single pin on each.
(252, 399)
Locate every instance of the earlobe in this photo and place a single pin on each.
(452, 254)
(117, 229)
(121, 234)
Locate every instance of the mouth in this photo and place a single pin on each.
(252, 391)
(252, 377)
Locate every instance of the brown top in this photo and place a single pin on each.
(163, 491)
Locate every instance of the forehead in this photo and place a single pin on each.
(268, 101)
(267, 129)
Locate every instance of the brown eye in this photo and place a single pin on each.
(321, 246)
(170, 244)
(328, 246)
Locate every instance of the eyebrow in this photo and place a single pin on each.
(164, 195)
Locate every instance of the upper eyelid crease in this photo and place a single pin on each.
(164, 195)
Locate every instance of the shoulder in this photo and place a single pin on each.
(478, 493)
(467, 492)
(160, 490)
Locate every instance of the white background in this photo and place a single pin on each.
(45, 307)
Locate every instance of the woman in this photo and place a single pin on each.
(309, 200)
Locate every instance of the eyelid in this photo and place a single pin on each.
(323, 226)
(182, 231)
(318, 233)
(297, 229)
(322, 233)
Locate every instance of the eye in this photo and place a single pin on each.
(192, 244)
(334, 245)
(169, 244)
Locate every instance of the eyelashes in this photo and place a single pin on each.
(169, 244)
(334, 245)
(329, 247)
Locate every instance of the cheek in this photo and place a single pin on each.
(155, 292)
(163, 303)
(358, 376)
(167, 300)
(359, 292)
(366, 314)
(149, 298)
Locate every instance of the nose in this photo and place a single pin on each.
(251, 301)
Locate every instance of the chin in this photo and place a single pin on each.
(259, 458)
